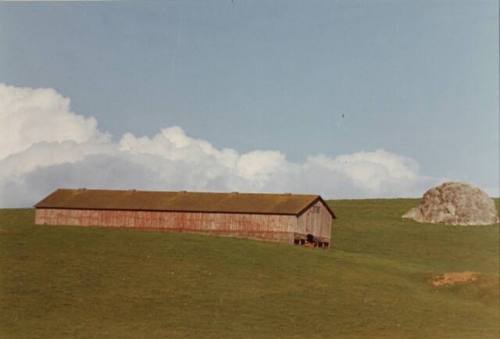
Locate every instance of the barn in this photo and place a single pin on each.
(290, 218)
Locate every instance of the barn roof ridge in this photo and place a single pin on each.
(180, 201)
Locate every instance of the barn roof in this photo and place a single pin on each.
(252, 203)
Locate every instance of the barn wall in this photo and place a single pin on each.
(259, 226)
(317, 221)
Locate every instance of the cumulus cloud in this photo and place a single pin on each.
(29, 116)
(43, 146)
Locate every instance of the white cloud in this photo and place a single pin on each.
(260, 165)
(43, 145)
(372, 171)
(29, 116)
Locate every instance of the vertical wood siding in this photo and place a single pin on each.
(316, 221)
(284, 228)
(259, 226)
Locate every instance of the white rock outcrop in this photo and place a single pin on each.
(455, 203)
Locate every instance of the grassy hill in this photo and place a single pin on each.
(61, 281)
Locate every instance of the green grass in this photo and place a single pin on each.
(59, 281)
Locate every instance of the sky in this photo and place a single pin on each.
(348, 99)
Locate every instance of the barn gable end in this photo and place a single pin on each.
(316, 220)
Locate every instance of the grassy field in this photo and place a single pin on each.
(75, 282)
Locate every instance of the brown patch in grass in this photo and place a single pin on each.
(453, 278)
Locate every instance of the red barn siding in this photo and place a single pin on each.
(259, 226)
(316, 220)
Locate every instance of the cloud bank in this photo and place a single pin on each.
(43, 146)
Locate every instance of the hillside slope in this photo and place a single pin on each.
(375, 282)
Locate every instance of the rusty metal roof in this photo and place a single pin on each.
(252, 203)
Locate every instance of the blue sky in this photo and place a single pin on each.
(415, 78)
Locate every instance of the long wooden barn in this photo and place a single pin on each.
(290, 218)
